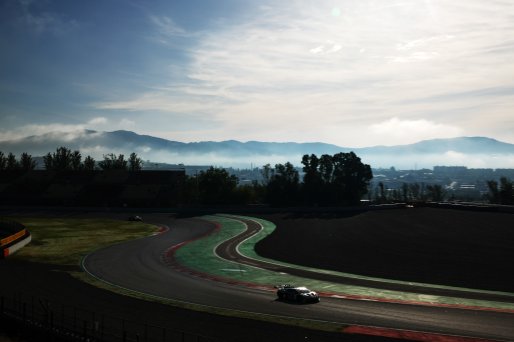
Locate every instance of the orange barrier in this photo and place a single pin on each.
(16, 246)
(11, 238)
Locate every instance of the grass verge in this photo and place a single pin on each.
(64, 241)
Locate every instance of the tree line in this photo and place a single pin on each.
(10, 163)
(339, 179)
(64, 159)
(501, 192)
(328, 180)
(409, 192)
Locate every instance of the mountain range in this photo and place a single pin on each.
(475, 152)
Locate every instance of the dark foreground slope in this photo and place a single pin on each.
(437, 246)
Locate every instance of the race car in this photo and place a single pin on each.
(135, 218)
(298, 294)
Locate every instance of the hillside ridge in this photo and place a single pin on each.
(476, 151)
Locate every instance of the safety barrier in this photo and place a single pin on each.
(13, 237)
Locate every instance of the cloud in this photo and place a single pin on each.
(102, 124)
(166, 31)
(165, 101)
(127, 123)
(66, 132)
(418, 43)
(298, 72)
(70, 131)
(41, 22)
(331, 47)
(97, 121)
(166, 26)
(396, 131)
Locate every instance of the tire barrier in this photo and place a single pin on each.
(13, 237)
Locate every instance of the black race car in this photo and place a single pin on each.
(298, 294)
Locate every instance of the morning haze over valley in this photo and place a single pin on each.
(472, 152)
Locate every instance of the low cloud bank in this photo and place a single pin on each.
(255, 154)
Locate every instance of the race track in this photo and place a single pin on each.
(141, 266)
(228, 250)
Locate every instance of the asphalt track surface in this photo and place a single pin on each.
(142, 266)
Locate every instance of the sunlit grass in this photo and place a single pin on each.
(64, 241)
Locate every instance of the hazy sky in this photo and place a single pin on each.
(353, 73)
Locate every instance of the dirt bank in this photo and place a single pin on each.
(437, 246)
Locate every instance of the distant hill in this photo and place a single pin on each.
(473, 152)
(466, 145)
(465, 151)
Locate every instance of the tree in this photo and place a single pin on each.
(267, 173)
(415, 190)
(338, 179)
(435, 192)
(494, 192)
(405, 192)
(506, 191)
(89, 164)
(48, 160)
(3, 161)
(216, 186)
(60, 160)
(283, 186)
(26, 162)
(12, 164)
(76, 160)
(312, 179)
(247, 194)
(351, 177)
(502, 193)
(382, 193)
(326, 168)
(113, 162)
(135, 163)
